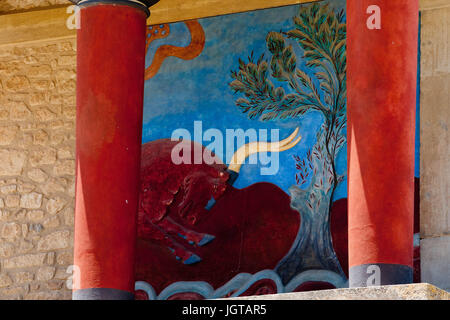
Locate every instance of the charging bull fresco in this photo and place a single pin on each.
(243, 174)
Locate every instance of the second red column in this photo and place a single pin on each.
(382, 74)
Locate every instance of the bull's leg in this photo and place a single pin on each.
(150, 231)
(194, 238)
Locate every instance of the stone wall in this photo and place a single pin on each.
(37, 169)
(16, 5)
(435, 145)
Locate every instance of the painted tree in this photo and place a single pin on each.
(319, 87)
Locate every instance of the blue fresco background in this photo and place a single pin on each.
(417, 151)
(198, 90)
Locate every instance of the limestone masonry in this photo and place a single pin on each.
(37, 169)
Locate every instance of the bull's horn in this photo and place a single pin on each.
(254, 147)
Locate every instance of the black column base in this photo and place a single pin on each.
(148, 3)
(379, 274)
(102, 294)
(140, 4)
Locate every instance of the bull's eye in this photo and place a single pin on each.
(221, 174)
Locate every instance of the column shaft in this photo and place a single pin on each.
(382, 73)
(110, 86)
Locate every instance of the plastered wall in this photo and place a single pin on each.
(435, 145)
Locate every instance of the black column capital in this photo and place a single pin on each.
(141, 4)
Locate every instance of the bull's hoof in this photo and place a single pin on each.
(192, 259)
(207, 238)
(210, 204)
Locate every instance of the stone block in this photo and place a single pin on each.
(5, 280)
(55, 241)
(45, 273)
(435, 156)
(31, 200)
(11, 231)
(11, 162)
(435, 261)
(420, 291)
(25, 261)
(37, 175)
(7, 134)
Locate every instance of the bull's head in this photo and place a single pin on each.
(197, 188)
(252, 148)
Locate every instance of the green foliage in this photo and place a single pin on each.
(321, 34)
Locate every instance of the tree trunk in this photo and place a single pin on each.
(313, 247)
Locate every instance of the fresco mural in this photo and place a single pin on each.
(264, 211)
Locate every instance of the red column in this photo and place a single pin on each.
(382, 73)
(110, 86)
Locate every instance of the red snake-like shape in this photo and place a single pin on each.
(189, 52)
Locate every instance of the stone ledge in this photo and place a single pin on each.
(166, 11)
(433, 4)
(419, 291)
(35, 26)
(50, 22)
